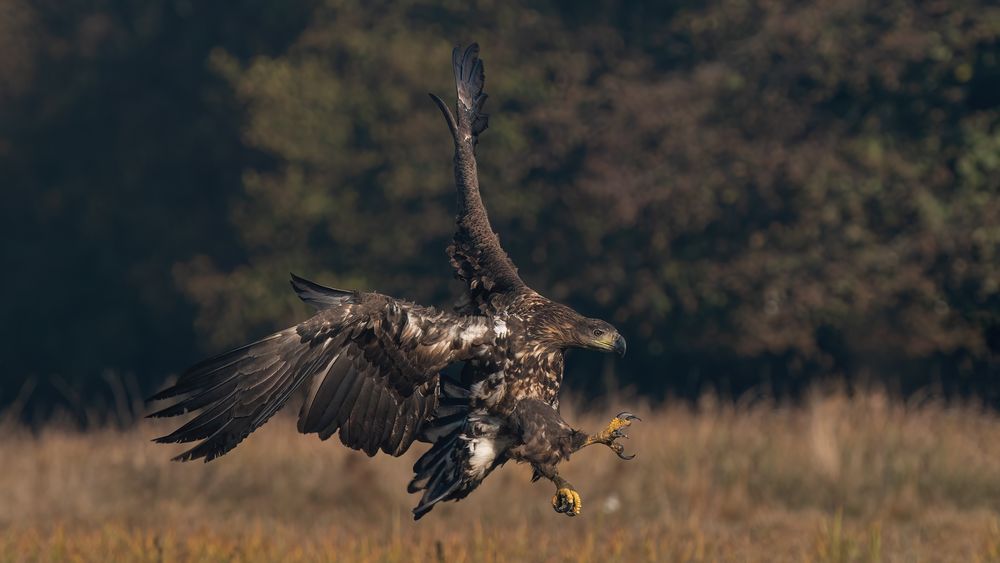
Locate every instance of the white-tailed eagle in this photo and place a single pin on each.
(371, 365)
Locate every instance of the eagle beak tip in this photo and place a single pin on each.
(620, 346)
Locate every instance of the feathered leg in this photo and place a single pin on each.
(546, 440)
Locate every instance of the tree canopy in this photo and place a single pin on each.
(757, 193)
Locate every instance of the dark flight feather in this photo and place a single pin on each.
(317, 295)
(372, 361)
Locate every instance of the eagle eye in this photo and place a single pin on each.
(598, 332)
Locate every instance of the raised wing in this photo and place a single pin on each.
(475, 252)
(372, 365)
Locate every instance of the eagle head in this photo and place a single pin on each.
(596, 334)
(559, 326)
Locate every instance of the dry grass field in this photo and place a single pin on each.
(840, 478)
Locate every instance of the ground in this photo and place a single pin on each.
(859, 477)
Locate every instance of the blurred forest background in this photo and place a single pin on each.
(759, 194)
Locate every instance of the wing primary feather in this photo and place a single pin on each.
(210, 447)
(373, 421)
(413, 419)
(360, 417)
(319, 296)
(340, 381)
(320, 393)
(218, 393)
(346, 409)
(352, 431)
(198, 427)
(399, 426)
(199, 374)
(384, 411)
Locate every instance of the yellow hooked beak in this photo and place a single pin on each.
(612, 342)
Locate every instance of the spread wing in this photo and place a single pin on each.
(475, 252)
(371, 363)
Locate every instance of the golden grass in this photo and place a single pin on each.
(861, 478)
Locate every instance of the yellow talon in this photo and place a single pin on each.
(608, 434)
(617, 424)
(612, 433)
(568, 501)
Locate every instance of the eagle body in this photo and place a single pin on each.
(372, 367)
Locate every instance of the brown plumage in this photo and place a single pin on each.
(371, 365)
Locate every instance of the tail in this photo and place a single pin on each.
(451, 411)
(465, 451)
(439, 473)
(469, 80)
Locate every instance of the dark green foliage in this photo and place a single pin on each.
(754, 192)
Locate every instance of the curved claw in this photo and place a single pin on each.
(620, 451)
(625, 415)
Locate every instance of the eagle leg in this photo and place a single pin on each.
(566, 500)
(610, 435)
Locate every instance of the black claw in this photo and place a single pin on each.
(625, 415)
(620, 451)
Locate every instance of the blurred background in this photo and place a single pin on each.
(759, 194)
(790, 208)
